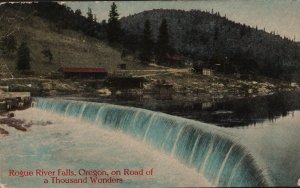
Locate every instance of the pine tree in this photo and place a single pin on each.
(95, 18)
(113, 26)
(47, 55)
(216, 34)
(23, 60)
(78, 12)
(89, 14)
(147, 43)
(162, 45)
(90, 27)
(9, 44)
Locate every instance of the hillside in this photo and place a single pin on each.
(209, 37)
(69, 48)
(76, 41)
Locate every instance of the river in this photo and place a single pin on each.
(180, 151)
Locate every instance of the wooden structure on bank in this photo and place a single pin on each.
(176, 60)
(122, 66)
(15, 100)
(125, 87)
(119, 82)
(165, 91)
(203, 68)
(88, 73)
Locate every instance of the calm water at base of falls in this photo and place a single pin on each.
(277, 145)
(70, 143)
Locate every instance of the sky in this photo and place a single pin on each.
(281, 16)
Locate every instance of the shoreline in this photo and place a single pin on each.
(176, 84)
(6, 120)
(9, 119)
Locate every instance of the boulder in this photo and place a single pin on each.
(47, 86)
(104, 92)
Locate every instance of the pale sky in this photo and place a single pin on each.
(282, 16)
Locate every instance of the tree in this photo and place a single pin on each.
(48, 55)
(113, 26)
(9, 44)
(95, 18)
(147, 43)
(78, 12)
(216, 34)
(162, 45)
(90, 25)
(243, 30)
(23, 60)
(89, 14)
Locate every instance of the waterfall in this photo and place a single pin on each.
(207, 149)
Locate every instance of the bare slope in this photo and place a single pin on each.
(69, 48)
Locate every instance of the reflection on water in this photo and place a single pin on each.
(233, 113)
(241, 112)
(246, 156)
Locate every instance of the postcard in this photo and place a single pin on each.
(150, 93)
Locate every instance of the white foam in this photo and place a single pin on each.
(72, 143)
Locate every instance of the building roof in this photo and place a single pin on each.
(90, 70)
(201, 65)
(175, 57)
(164, 85)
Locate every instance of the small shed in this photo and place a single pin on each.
(203, 68)
(122, 83)
(164, 91)
(122, 66)
(16, 100)
(90, 73)
(207, 71)
(176, 60)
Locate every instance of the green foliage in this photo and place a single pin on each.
(113, 25)
(217, 33)
(162, 45)
(91, 23)
(78, 12)
(47, 55)
(147, 43)
(9, 44)
(243, 30)
(65, 18)
(23, 59)
(269, 54)
(89, 14)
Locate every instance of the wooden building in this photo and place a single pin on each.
(89, 73)
(126, 88)
(203, 68)
(176, 60)
(207, 71)
(122, 66)
(164, 91)
(15, 100)
(124, 82)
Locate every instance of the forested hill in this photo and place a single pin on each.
(211, 38)
(197, 35)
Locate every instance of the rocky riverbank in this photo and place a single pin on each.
(7, 119)
(183, 86)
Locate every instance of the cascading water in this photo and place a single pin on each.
(210, 151)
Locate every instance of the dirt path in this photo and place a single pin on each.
(159, 71)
